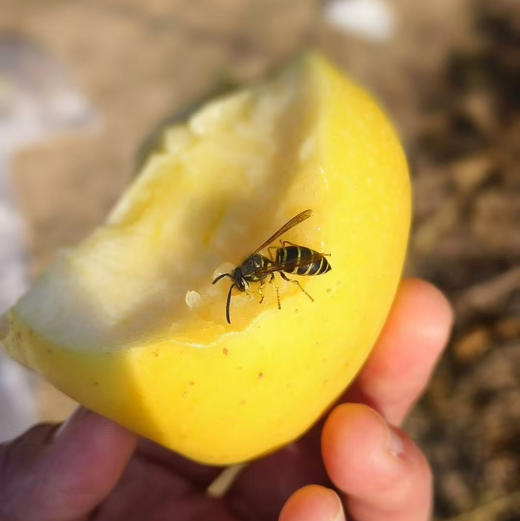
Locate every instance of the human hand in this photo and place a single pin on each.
(356, 459)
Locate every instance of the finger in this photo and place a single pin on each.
(382, 473)
(263, 487)
(313, 503)
(149, 490)
(410, 344)
(198, 474)
(64, 472)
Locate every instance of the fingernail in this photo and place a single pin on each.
(395, 442)
(78, 414)
(340, 516)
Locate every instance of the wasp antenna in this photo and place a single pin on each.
(221, 277)
(228, 303)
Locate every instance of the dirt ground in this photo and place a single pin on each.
(450, 80)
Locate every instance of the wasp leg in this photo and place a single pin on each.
(284, 277)
(261, 290)
(272, 281)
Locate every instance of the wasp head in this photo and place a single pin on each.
(238, 282)
(238, 278)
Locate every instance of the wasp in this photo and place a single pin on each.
(289, 258)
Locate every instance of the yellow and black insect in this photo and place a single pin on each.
(299, 260)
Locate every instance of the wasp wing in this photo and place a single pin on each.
(272, 267)
(286, 227)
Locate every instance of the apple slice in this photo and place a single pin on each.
(129, 323)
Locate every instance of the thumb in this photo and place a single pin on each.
(60, 473)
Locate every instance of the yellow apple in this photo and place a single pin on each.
(129, 323)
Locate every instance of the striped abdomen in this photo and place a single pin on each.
(302, 261)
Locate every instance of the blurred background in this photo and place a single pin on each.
(82, 84)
